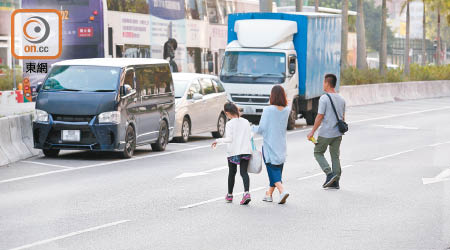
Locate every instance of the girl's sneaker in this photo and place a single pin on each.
(246, 199)
(229, 198)
(267, 198)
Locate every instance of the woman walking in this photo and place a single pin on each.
(273, 127)
(238, 140)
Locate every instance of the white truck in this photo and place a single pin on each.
(294, 50)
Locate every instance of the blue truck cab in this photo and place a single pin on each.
(294, 50)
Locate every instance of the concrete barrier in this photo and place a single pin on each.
(26, 122)
(16, 137)
(390, 92)
(6, 143)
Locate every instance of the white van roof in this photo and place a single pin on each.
(111, 62)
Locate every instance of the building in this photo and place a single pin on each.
(6, 8)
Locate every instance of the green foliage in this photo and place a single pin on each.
(353, 76)
(6, 79)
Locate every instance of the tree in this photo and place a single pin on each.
(383, 46)
(408, 22)
(316, 5)
(424, 35)
(361, 54)
(344, 34)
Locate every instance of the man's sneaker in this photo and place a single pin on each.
(331, 178)
(335, 185)
(267, 198)
(229, 198)
(246, 199)
(283, 197)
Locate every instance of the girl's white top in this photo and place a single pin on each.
(238, 136)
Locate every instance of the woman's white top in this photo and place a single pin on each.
(238, 136)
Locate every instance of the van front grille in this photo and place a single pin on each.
(72, 118)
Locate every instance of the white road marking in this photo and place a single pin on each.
(46, 164)
(193, 174)
(251, 190)
(38, 243)
(318, 174)
(397, 127)
(218, 198)
(436, 144)
(443, 176)
(392, 155)
(206, 146)
(404, 114)
(186, 175)
(216, 169)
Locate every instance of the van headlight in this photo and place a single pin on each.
(109, 117)
(40, 116)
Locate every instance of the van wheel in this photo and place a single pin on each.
(310, 117)
(292, 118)
(130, 143)
(220, 127)
(163, 137)
(51, 153)
(185, 131)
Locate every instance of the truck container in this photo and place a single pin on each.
(295, 50)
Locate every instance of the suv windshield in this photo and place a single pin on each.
(82, 78)
(253, 67)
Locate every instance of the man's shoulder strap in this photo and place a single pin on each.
(332, 105)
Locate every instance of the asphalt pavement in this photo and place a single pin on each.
(395, 193)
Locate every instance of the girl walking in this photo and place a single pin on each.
(239, 149)
(273, 127)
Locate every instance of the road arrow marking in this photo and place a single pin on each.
(186, 175)
(443, 176)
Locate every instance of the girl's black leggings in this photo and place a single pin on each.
(232, 174)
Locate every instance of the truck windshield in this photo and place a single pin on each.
(82, 78)
(253, 67)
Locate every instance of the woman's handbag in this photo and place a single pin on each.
(255, 163)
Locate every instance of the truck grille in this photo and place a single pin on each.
(72, 118)
(258, 99)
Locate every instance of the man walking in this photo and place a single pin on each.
(329, 135)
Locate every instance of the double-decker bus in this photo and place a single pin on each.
(139, 28)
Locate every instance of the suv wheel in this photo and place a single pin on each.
(221, 123)
(163, 138)
(130, 143)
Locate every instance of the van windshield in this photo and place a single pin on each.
(82, 78)
(253, 67)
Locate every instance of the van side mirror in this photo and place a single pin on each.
(197, 97)
(210, 67)
(125, 90)
(292, 64)
(39, 87)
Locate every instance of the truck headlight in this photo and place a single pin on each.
(109, 117)
(40, 116)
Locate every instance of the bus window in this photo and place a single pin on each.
(196, 9)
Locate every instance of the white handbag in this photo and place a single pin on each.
(255, 163)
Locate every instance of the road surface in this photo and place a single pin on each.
(395, 193)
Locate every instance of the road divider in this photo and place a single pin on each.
(391, 92)
(16, 139)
